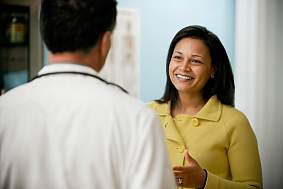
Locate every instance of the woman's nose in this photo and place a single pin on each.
(186, 66)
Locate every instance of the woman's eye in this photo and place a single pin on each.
(177, 57)
(196, 61)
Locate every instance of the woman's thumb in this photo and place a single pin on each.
(188, 157)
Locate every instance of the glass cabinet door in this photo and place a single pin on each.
(14, 45)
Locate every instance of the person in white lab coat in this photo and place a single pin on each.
(70, 129)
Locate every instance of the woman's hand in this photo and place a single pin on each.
(190, 175)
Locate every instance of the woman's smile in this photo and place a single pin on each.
(184, 77)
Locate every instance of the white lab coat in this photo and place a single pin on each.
(70, 131)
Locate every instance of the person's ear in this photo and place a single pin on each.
(101, 50)
(105, 43)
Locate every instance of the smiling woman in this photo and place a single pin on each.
(190, 67)
(207, 138)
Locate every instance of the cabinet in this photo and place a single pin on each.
(14, 38)
(21, 49)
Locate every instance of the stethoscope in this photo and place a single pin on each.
(79, 73)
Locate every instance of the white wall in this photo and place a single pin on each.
(259, 78)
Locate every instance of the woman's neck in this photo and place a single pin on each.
(188, 104)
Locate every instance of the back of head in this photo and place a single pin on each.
(222, 84)
(72, 25)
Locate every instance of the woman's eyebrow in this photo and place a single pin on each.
(176, 51)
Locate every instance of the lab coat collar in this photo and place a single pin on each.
(67, 67)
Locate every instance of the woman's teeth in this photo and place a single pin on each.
(184, 77)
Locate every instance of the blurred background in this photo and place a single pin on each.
(250, 30)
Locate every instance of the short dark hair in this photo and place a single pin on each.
(72, 25)
(222, 85)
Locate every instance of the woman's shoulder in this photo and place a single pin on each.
(234, 116)
(153, 104)
(160, 107)
(237, 124)
(232, 111)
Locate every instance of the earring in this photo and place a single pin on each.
(212, 76)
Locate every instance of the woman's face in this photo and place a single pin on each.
(190, 66)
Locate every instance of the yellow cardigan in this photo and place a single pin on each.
(220, 138)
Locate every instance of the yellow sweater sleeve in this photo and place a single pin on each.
(243, 158)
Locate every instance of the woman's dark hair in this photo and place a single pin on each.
(222, 85)
(71, 25)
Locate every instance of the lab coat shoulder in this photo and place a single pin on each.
(129, 106)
